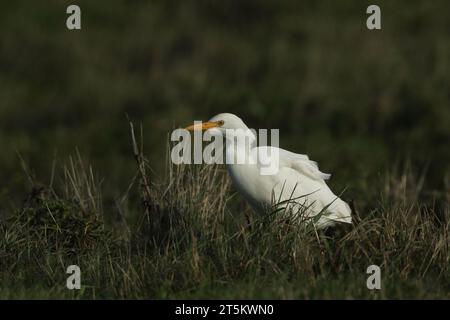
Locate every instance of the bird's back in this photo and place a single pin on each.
(298, 185)
(306, 197)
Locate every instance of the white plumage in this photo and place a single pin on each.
(298, 185)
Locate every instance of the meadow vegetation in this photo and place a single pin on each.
(191, 239)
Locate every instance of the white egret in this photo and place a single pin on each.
(298, 185)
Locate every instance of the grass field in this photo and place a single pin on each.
(372, 107)
(192, 240)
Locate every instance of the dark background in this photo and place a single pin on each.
(360, 102)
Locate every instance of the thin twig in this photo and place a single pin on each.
(140, 160)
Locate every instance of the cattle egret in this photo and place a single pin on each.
(298, 186)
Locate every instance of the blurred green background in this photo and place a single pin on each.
(357, 101)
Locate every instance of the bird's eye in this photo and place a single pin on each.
(220, 122)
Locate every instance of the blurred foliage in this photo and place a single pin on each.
(355, 100)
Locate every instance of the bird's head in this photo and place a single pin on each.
(222, 124)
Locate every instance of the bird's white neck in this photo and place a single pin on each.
(238, 148)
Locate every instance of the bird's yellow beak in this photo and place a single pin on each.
(204, 126)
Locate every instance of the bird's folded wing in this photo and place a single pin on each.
(298, 162)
